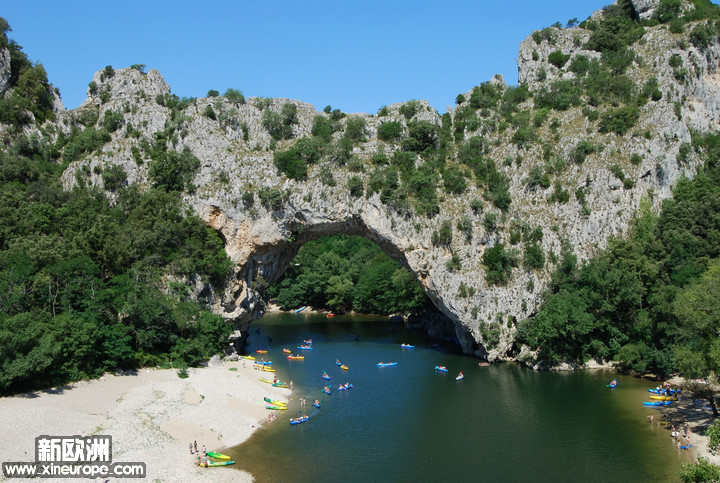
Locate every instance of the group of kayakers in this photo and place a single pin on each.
(202, 458)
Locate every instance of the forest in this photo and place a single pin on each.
(343, 273)
(649, 300)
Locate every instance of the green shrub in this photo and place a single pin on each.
(390, 131)
(422, 136)
(582, 150)
(114, 177)
(562, 95)
(476, 205)
(248, 199)
(558, 59)
(409, 109)
(534, 256)
(355, 186)
(490, 222)
(173, 171)
(454, 263)
(213, 93)
(499, 264)
(560, 194)
(271, 198)
(355, 129)
(454, 180)
(322, 128)
(209, 112)
(619, 120)
(444, 235)
(703, 470)
(234, 95)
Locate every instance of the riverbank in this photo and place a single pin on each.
(152, 416)
(697, 418)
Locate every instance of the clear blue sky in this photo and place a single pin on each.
(356, 56)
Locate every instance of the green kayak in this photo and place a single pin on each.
(220, 463)
(219, 456)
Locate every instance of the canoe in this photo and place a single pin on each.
(344, 367)
(299, 420)
(277, 408)
(441, 368)
(220, 463)
(407, 346)
(294, 358)
(219, 456)
(304, 347)
(658, 397)
(297, 311)
(287, 351)
(247, 358)
(384, 364)
(657, 403)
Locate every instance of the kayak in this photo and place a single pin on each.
(657, 397)
(261, 351)
(385, 364)
(612, 386)
(304, 347)
(665, 391)
(325, 376)
(344, 367)
(299, 420)
(219, 456)
(295, 358)
(264, 363)
(317, 405)
(407, 346)
(297, 311)
(460, 377)
(274, 403)
(338, 363)
(344, 387)
(280, 384)
(441, 368)
(247, 358)
(330, 315)
(287, 351)
(220, 463)
(277, 408)
(657, 403)
(266, 380)
(687, 446)
(327, 390)
(263, 368)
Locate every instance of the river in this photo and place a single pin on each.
(411, 423)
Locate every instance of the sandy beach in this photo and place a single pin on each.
(152, 416)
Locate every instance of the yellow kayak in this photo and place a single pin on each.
(344, 367)
(658, 397)
(247, 358)
(263, 368)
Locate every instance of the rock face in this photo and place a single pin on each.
(236, 154)
(4, 71)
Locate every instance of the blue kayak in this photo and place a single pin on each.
(317, 405)
(657, 403)
(299, 420)
(385, 364)
(441, 368)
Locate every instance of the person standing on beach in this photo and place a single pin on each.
(291, 385)
(191, 449)
(195, 443)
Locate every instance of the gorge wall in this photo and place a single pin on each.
(592, 180)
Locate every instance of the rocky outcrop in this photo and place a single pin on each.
(236, 154)
(4, 71)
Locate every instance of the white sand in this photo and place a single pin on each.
(151, 416)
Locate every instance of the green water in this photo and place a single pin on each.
(411, 423)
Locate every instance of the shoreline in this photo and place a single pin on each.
(152, 416)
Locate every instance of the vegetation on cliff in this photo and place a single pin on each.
(88, 285)
(651, 300)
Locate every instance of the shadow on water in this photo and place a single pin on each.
(409, 422)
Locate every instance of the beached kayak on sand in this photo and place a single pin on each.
(219, 456)
(220, 463)
(657, 403)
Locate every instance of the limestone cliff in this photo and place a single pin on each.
(603, 189)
